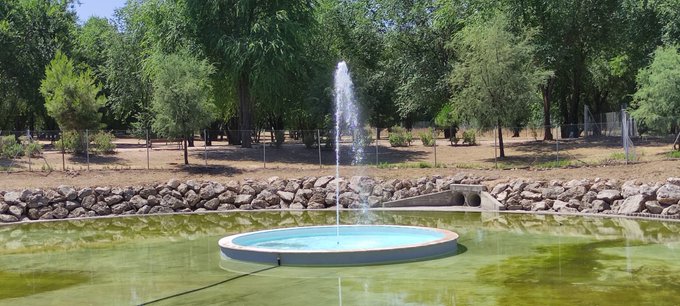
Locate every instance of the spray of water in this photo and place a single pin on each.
(346, 119)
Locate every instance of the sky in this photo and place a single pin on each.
(100, 8)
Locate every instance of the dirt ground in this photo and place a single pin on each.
(128, 166)
(526, 157)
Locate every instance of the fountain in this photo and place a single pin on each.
(341, 244)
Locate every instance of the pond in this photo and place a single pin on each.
(503, 259)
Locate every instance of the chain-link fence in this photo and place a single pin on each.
(526, 147)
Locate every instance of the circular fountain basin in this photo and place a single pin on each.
(355, 245)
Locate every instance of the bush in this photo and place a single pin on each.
(309, 139)
(9, 147)
(399, 137)
(454, 140)
(470, 137)
(365, 139)
(103, 143)
(70, 141)
(31, 148)
(279, 137)
(427, 138)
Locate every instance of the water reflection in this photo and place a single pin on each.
(509, 259)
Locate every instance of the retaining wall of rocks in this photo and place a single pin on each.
(592, 196)
(585, 196)
(193, 196)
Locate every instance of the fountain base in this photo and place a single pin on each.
(340, 246)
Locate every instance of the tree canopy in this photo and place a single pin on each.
(72, 98)
(273, 60)
(181, 101)
(657, 101)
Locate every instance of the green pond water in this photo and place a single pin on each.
(504, 259)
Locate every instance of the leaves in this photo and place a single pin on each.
(71, 98)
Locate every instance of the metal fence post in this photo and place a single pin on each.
(264, 152)
(63, 158)
(557, 150)
(377, 162)
(434, 138)
(30, 141)
(87, 148)
(495, 148)
(318, 140)
(147, 150)
(205, 146)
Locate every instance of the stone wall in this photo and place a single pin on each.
(592, 196)
(585, 196)
(193, 196)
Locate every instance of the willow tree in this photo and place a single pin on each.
(181, 99)
(495, 78)
(255, 43)
(657, 100)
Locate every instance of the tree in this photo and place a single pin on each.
(71, 98)
(256, 44)
(30, 34)
(181, 99)
(495, 77)
(657, 100)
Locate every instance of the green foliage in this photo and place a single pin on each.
(71, 98)
(182, 101)
(30, 148)
(399, 137)
(496, 77)
(71, 142)
(30, 34)
(454, 140)
(427, 138)
(562, 163)
(279, 138)
(673, 154)
(309, 139)
(657, 100)
(103, 143)
(10, 148)
(470, 137)
(421, 165)
(365, 138)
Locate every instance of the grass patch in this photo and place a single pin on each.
(421, 165)
(562, 163)
(673, 154)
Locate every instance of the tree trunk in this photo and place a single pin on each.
(377, 133)
(500, 139)
(190, 139)
(186, 156)
(546, 90)
(245, 110)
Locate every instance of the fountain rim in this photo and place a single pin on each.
(228, 241)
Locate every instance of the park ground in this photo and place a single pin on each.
(526, 158)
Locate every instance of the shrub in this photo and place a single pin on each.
(454, 140)
(365, 138)
(399, 137)
(31, 148)
(470, 137)
(71, 141)
(427, 138)
(309, 139)
(103, 143)
(279, 137)
(9, 147)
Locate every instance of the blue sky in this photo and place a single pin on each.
(100, 8)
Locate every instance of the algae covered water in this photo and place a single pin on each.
(504, 259)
